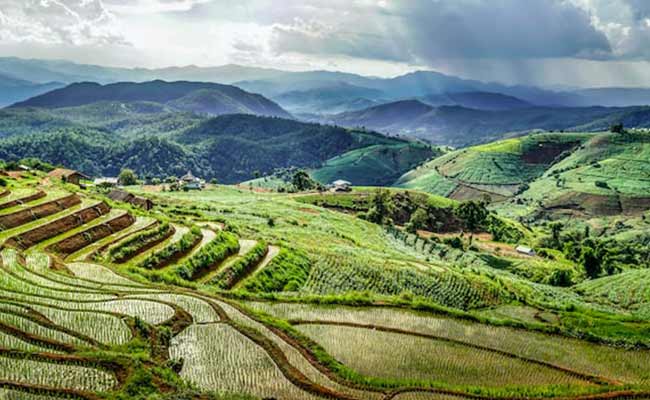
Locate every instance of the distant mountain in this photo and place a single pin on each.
(399, 113)
(615, 97)
(275, 83)
(42, 71)
(334, 99)
(459, 126)
(208, 98)
(477, 100)
(13, 90)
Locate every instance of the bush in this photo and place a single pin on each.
(215, 252)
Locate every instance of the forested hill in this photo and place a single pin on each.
(231, 148)
(206, 98)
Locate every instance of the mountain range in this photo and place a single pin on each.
(460, 126)
(274, 83)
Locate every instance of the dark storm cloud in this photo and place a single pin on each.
(425, 30)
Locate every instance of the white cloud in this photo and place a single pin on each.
(58, 22)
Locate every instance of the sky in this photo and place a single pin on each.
(542, 42)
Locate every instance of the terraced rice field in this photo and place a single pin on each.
(410, 358)
(570, 354)
(65, 321)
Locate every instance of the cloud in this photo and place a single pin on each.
(139, 7)
(425, 30)
(58, 22)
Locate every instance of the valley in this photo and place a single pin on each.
(264, 234)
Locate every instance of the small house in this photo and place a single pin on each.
(191, 182)
(525, 251)
(341, 186)
(67, 175)
(126, 197)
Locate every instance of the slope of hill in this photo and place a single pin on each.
(569, 174)
(460, 126)
(334, 99)
(13, 90)
(200, 97)
(498, 169)
(154, 140)
(378, 165)
(477, 100)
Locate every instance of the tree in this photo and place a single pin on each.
(302, 181)
(419, 220)
(381, 207)
(591, 262)
(556, 231)
(472, 213)
(617, 128)
(128, 177)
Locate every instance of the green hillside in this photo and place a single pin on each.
(156, 141)
(227, 293)
(377, 165)
(498, 169)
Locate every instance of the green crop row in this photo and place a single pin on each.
(173, 251)
(221, 247)
(133, 245)
(233, 273)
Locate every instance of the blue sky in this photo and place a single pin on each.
(546, 42)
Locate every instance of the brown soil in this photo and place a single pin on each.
(587, 204)
(80, 240)
(22, 217)
(38, 195)
(466, 192)
(28, 239)
(547, 153)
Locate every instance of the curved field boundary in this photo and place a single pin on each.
(20, 263)
(91, 252)
(272, 252)
(18, 218)
(48, 391)
(27, 199)
(168, 246)
(78, 241)
(41, 233)
(293, 374)
(47, 324)
(238, 269)
(599, 380)
(615, 395)
(149, 244)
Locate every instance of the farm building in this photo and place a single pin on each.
(525, 250)
(341, 186)
(126, 197)
(67, 175)
(191, 182)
